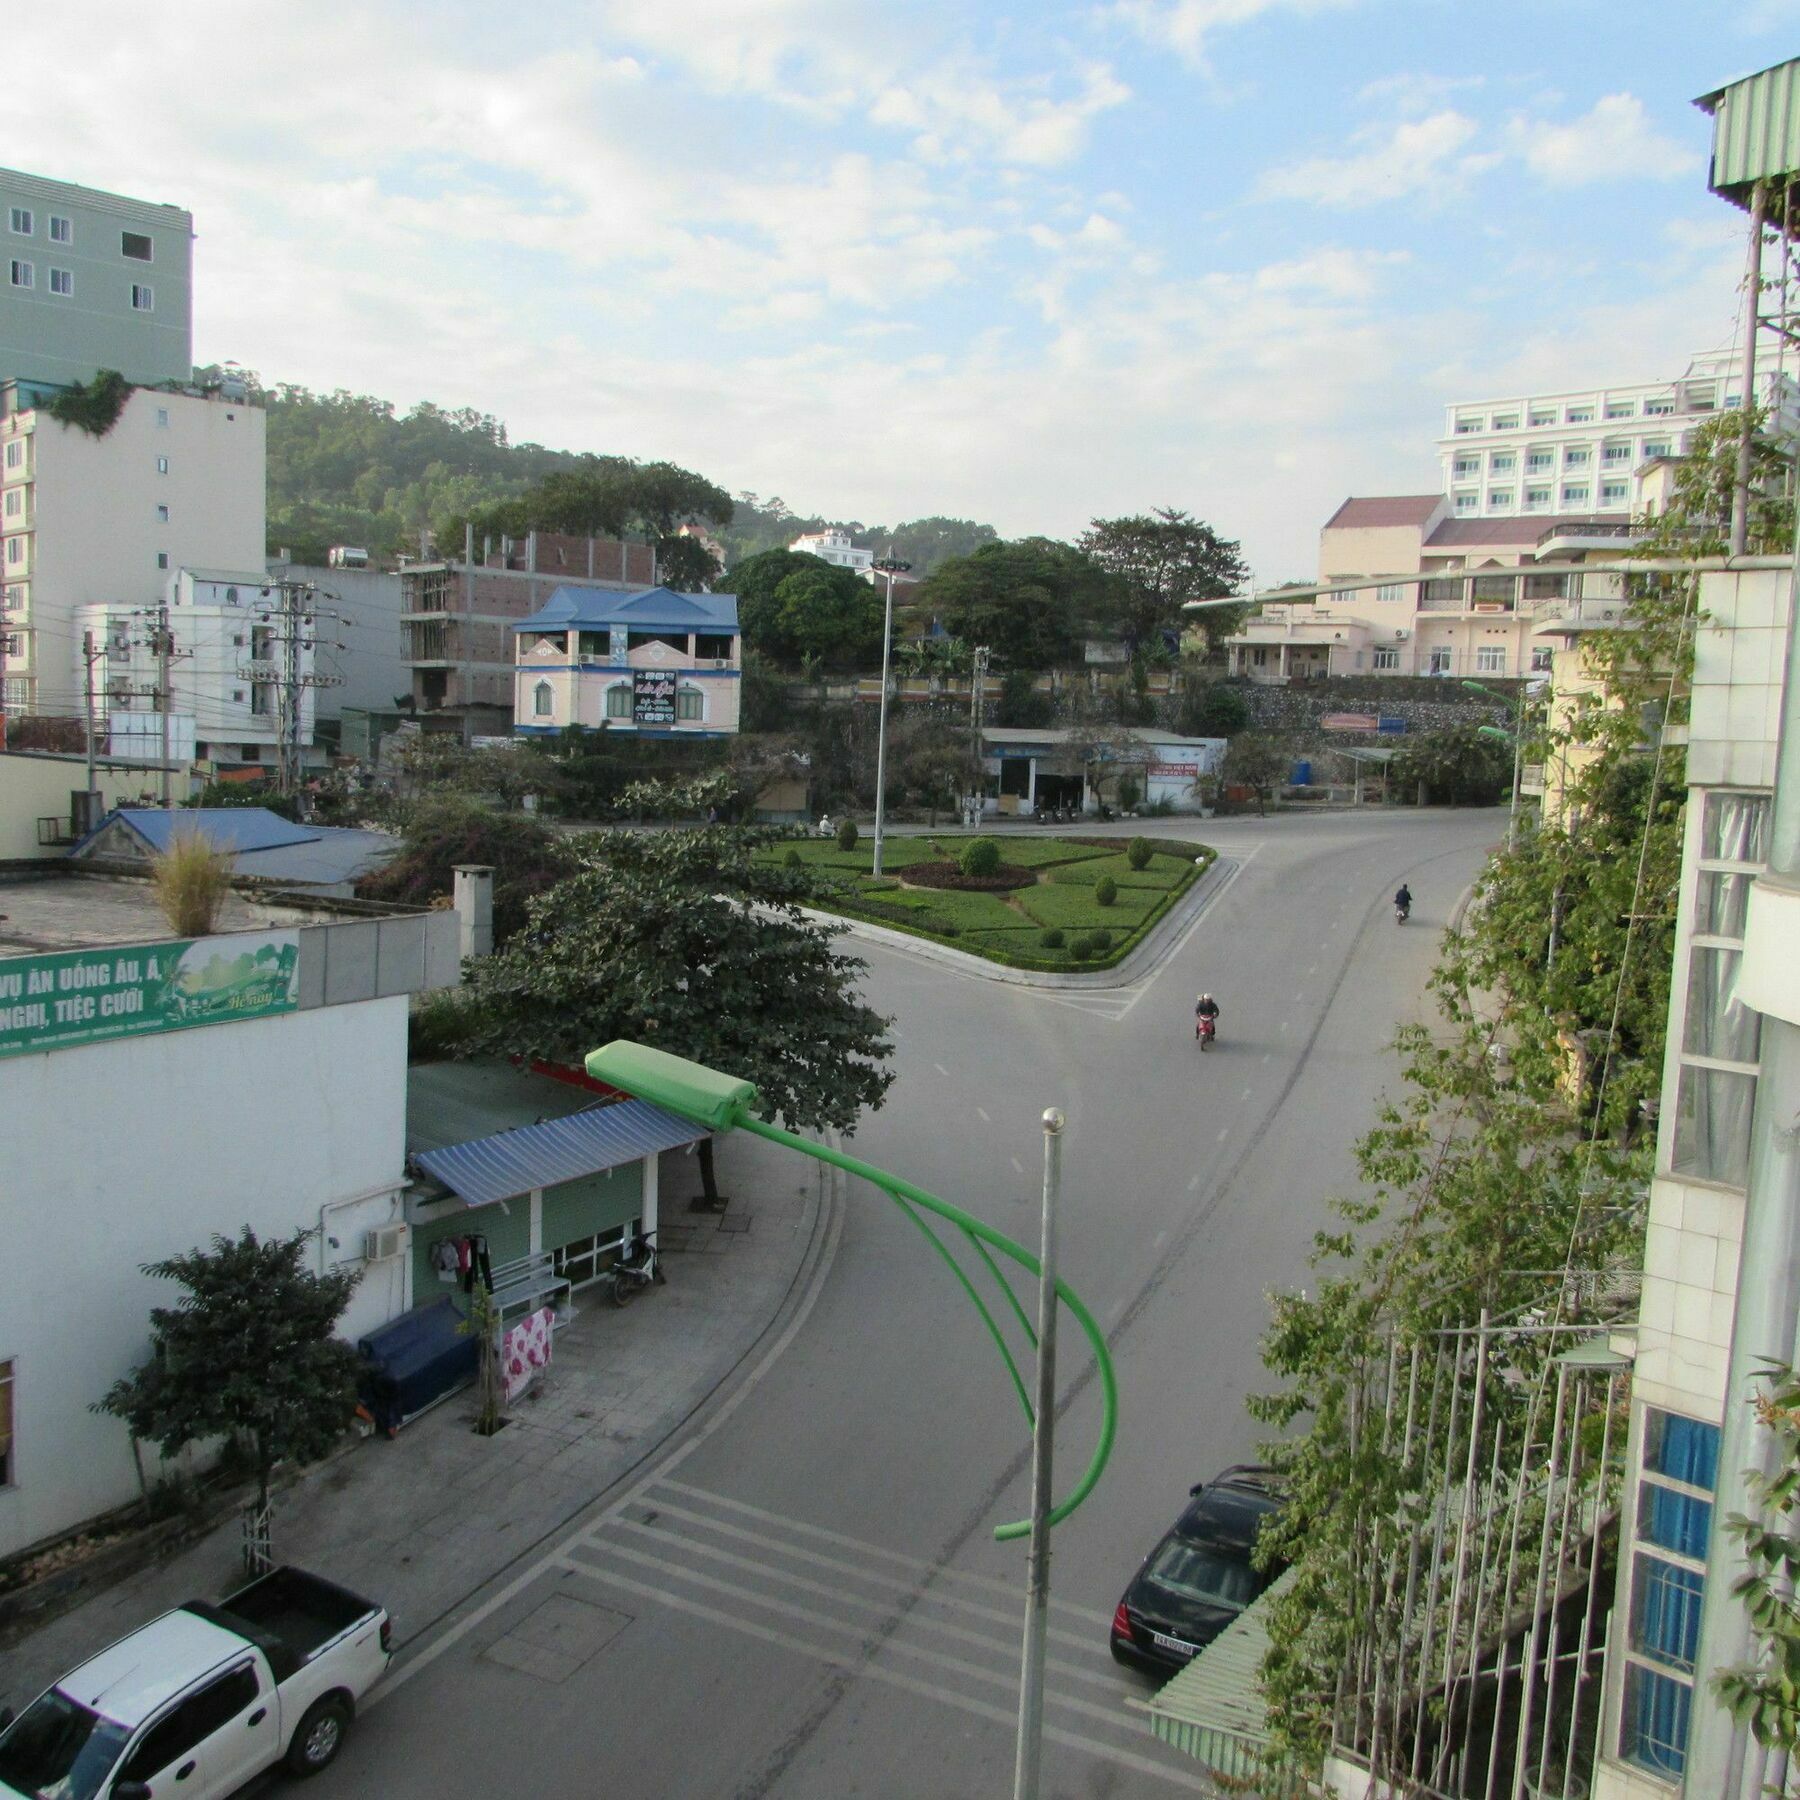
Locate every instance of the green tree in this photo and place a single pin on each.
(1020, 702)
(1456, 767)
(1210, 709)
(1031, 602)
(1258, 763)
(247, 1354)
(826, 612)
(687, 566)
(1164, 559)
(932, 758)
(684, 940)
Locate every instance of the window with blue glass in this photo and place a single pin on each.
(1668, 1578)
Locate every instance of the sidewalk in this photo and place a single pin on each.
(423, 1521)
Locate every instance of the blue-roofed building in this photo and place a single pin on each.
(328, 858)
(652, 662)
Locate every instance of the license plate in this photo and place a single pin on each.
(1175, 1644)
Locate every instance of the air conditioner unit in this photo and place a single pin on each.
(386, 1242)
(721, 662)
(1402, 634)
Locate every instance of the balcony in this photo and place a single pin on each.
(1587, 534)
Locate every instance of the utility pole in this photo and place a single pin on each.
(87, 663)
(1029, 1758)
(292, 630)
(162, 641)
(889, 566)
(5, 651)
(978, 710)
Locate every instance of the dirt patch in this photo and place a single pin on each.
(949, 875)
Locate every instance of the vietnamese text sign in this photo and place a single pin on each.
(63, 999)
(653, 696)
(1348, 722)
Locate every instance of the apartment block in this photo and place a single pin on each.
(457, 618)
(85, 520)
(835, 547)
(91, 281)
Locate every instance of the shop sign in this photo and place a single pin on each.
(1348, 722)
(1161, 769)
(72, 997)
(653, 696)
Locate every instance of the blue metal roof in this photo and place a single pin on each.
(234, 828)
(645, 609)
(511, 1163)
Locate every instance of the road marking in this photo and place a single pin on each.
(1284, 1024)
(1194, 1185)
(1018, 1167)
(1245, 1095)
(862, 1667)
(1312, 968)
(1224, 1134)
(941, 1070)
(1162, 1237)
(981, 1113)
(1267, 1054)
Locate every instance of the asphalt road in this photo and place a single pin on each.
(808, 1600)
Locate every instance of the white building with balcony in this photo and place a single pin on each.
(1578, 450)
(835, 547)
(654, 663)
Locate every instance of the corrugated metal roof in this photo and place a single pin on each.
(1756, 130)
(511, 1163)
(649, 609)
(1214, 1709)
(234, 828)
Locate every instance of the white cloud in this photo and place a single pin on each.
(955, 109)
(1185, 26)
(1423, 155)
(1330, 274)
(1411, 93)
(1613, 141)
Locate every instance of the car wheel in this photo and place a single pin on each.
(319, 1737)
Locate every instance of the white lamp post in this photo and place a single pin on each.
(887, 567)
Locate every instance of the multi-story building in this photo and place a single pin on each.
(360, 640)
(653, 663)
(457, 617)
(92, 281)
(232, 653)
(1577, 451)
(834, 546)
(1407, 588)
(176, 482)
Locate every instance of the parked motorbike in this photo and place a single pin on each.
(638, 1266)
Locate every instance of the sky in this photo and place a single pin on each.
(1028, 264)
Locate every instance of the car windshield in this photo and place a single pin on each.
(57, 1749)
(1192, 1572)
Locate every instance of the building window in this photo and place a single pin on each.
(15, 452)
(1575, 496)
(1440, 660)
(690, 705)
(1490, 659)
(162, 465)
(162, 418)
(1536, 499)
(543, 700)
(1387, 659)
(62, 281)
(12, 596)
(618, 701)
(1720, 1039)
(15, 502)
(1502, 462)
(1506, 421)
(1391, 590)
(1615, 455)
(1614, 493)
(1465, 426)
(1542, 659)
(143, 299)
(1668, 1577)
(135, 245)
(23, 275)
(1656, 449)
(162, 559)
(1577, 456)
(1658, 408)
(1466, 503)
(1500, 501)
(1579, 415)
(1466, 466)
(62, 231)
(6, 1423)
(162, 515)
(22, 221)
(1620, 409)
(1543, 415)
(15, 551)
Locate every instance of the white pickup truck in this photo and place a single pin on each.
(196, 1703)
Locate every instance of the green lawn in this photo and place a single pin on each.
(1007, 927)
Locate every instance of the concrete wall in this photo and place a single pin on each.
(36, 784)
(125, 1152)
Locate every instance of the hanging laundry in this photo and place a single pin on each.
(445, 1260)
(524, 1349)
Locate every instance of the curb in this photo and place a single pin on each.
(1148, 955)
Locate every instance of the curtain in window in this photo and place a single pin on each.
(1712, 1125)
(1717, 1023)
(1656, 1720)
(1734, 827)
(1682, 1449)
(1677, 1522)
(1665, 1611)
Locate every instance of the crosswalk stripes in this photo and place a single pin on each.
(947, 1635)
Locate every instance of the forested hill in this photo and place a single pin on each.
(349, 469)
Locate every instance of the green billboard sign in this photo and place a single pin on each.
(67, 998)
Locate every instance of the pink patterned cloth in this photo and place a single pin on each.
(524, 1349)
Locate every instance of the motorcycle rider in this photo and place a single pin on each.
(1206, 1007)
(1403, 900)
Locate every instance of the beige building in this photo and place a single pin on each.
(177, 481)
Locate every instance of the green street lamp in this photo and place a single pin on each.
(1516, 738)
(722, 1102)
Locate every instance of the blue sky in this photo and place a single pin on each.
(1026, 264)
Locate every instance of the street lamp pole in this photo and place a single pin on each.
(889, 566)
(1029, 1758)
(1518, 743)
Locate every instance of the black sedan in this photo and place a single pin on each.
(1200, 1577)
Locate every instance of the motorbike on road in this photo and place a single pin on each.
(1205, 1030)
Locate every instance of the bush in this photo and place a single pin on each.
(1129, 794)
(1138, 853)
(980, 857)
(793, 859)
(1052, 938)
(1082, 948)
(1101, 940)
(1106, 891)
(847, 834)
(191, 879)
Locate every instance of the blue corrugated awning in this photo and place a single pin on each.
(514, 1162)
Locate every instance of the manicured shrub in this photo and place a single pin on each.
(1106, 891)
(980, 857)
(794, 860)
(1101, 940)
(847, 834)
(1138, 853)
(1082, 948)
(1052, 938)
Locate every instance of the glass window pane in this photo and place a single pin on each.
(1712, 1125)
(1716, 1023)
(1677, 1522)
(1656, 1720)
(1734, 827)
(1665, 1611)
(1721, 904)
(1682, 1449)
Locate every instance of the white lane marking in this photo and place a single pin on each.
(1241, 861)
(456, 1633)
(1284, 1024)
(1194, 1185)
(1162, 1237)
(1245, 1095)
(1224, 1134)
(820, 1534)
(1018, 1167)
(1267, 1054)
(941, 1070)
(981, 1113)
(1312, 968)
(859, 1666)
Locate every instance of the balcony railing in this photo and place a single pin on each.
(1588, 528)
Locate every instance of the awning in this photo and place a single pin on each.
(511, 1163)
(1214, 1709)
